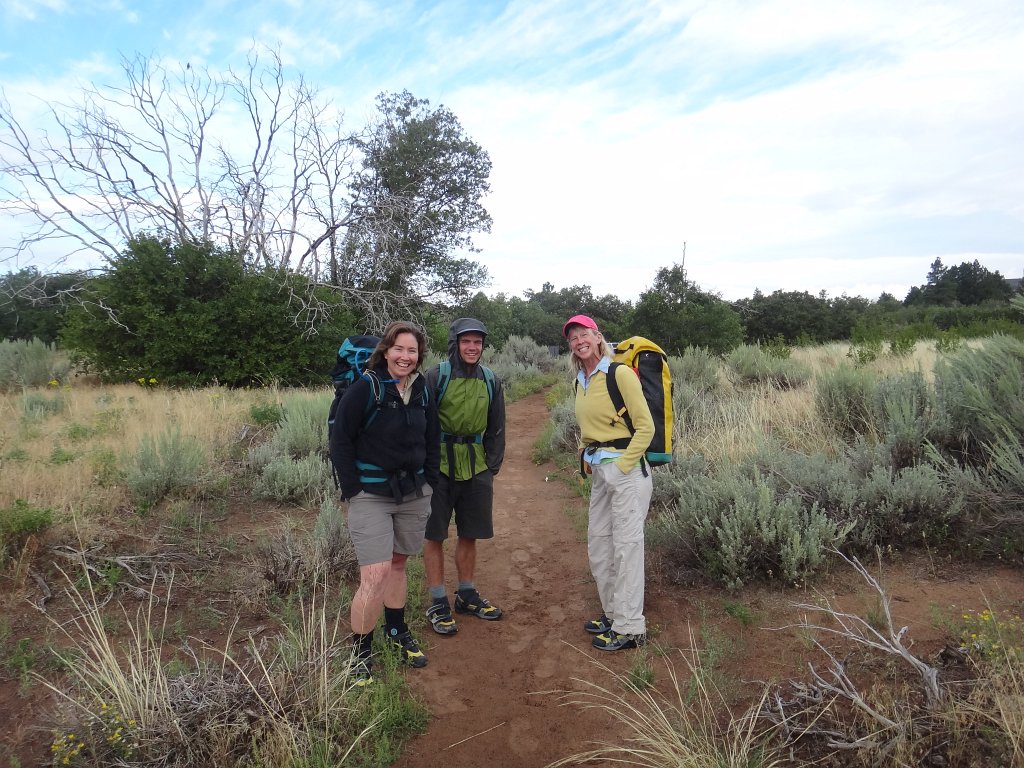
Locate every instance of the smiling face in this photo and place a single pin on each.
(402, 356)
(471, 346)
(585, 345)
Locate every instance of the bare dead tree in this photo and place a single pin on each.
(261, 166)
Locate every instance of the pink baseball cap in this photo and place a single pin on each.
(586, 322)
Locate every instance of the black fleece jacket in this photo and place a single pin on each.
(401, 440)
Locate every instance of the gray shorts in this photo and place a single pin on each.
(379, 527)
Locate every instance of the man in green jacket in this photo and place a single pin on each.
(471, 409)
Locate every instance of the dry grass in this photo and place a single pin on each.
(689, 725)
(726, 428)
(284, 702)
(68, 457)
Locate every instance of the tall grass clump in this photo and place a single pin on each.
(691, 724)
(843, 400)
(39, 406)
(980, 394)
(33, 363)
(167, 463)
(286, 702)
(751, 364)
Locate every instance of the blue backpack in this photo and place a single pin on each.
(353, 354)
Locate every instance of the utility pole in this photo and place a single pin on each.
(682, 267)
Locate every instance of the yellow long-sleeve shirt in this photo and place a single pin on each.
(595, 414)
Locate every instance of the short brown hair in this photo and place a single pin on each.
(387, 341)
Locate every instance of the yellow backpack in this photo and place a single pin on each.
(650, 363)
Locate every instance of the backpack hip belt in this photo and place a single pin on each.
(450, 441)
(370, 474)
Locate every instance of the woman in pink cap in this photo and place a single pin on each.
(620, 491)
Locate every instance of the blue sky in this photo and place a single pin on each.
(791, 144)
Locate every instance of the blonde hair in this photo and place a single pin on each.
(606, 351)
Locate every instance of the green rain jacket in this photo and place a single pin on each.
(466, 410)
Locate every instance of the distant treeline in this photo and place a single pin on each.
(189, 314)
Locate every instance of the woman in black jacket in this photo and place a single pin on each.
(386, 451)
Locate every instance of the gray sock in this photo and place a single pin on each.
(438, 593)
(467, 586)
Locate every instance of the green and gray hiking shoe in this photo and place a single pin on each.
(613, 641)
(440, 615)
(471, 602)
(598, 626)
(407, 647)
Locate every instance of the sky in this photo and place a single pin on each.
(796, 145)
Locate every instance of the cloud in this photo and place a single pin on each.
(793, 144)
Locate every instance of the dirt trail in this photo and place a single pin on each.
(483, 683)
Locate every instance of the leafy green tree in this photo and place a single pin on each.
(420, 192)
(790, 314)
(975, 284)
(32, 304)
(609, 311)
(967, 284)
(190, 314)
(676, 314)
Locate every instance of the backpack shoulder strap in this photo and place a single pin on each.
(489, 378)
(444, 375)
(376, 399)
(617, 402)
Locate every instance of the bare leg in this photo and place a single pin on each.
(465, 558)
(433, 562)
(396, 585)
(369, 597)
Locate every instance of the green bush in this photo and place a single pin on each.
(947, 342)
(302, 480)
(37, 406)
(168, 463)
(697, 368)
(31, 364)
(189, 315)
(266, 414)
(776, 347)
(752, 365)
(903, 343)
(521, 350)
(18, 522)
(865, 352)
(737, 530)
